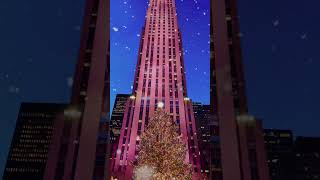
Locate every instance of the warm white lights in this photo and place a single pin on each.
(119, 151)
(72, 113)
(245, 118)
(132, 97)
(160, 104)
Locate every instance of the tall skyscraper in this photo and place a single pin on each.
(80, 142)
(159, 79)
(240, 138)
(30, 143)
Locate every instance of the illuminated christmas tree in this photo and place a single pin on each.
(161, 152)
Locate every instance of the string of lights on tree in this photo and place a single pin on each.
(161, 151)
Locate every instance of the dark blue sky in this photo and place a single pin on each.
(40, 39)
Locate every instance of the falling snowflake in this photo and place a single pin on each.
(60, 13)
(29, 60)
(115, 29)
(77, 28)
(13, 89)
(276, 23)
(309, 61)
(274, 48)
(69, 81)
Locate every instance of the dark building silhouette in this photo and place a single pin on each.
(117, 116)
(80, 143)
(292, 159)
(280, 153)
(32, 136)
(241, 145)
(116, 123)
(207, 127)
(307, 157)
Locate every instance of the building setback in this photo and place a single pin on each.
(160, 78)
(31, 139)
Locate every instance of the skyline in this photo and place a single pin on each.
(271, 40)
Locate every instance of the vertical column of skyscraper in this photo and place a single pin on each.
(241, 142)
(159, 78)
(78, 152)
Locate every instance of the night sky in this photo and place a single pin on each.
(280, 42)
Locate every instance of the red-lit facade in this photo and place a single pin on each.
(160, 78)
(80, 141)
(240, 148)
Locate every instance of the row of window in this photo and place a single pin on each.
(23, 170)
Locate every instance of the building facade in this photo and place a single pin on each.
(207, 130)
(80, 142)
(202, 118)
(31, 139)
(307, 158)
(292, 158)
(280, 153)
(159, 79)
(117, 116)
(242, 156)
(116, 124)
